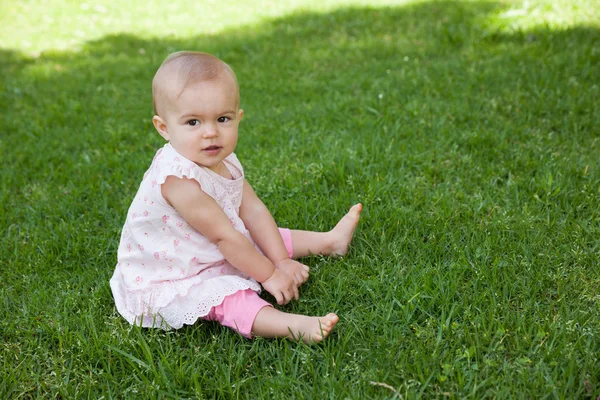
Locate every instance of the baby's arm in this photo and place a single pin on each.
(203, 213)
(263, 229)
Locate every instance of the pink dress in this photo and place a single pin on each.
(168, 274)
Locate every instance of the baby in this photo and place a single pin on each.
(197, 242)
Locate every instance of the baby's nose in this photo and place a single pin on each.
(210, 131)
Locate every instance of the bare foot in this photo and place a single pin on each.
(341, 234)
(272, 323)
(313, 329)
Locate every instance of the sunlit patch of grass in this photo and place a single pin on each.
(40, 25)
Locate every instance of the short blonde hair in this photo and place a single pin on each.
(184, 68)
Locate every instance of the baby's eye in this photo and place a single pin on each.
(193, 122)
(223, 119)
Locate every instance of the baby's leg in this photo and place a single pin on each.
(238, 311)
(246, 313)
(272, 323)
(335, 242)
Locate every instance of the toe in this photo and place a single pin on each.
(357, 208)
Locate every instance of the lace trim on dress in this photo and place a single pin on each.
(172, 304)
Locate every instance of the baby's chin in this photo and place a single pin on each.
(213, 163)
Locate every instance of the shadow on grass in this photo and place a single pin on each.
(422, 105)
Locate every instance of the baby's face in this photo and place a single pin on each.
(202, 123)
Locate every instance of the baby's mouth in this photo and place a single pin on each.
(212, 148)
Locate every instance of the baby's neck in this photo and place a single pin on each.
(222, 170)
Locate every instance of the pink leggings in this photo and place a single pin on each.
(238, 310)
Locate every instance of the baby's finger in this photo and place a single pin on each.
(279, 298)
(296, 295)
(287, 297)
(303, 278)
(297, 279)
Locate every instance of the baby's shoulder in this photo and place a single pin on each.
(168, 162)
(233, 158)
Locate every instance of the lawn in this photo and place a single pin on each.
(469, 130)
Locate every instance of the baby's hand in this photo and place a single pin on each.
(298, 271)
(281, 286)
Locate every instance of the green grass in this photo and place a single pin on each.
(469, 130)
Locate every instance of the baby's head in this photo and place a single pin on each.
(184, 68)
(197, 106)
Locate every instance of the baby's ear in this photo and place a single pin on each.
(240, 114)
(161, 127)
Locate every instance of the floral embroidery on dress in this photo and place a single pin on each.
(177, 275)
